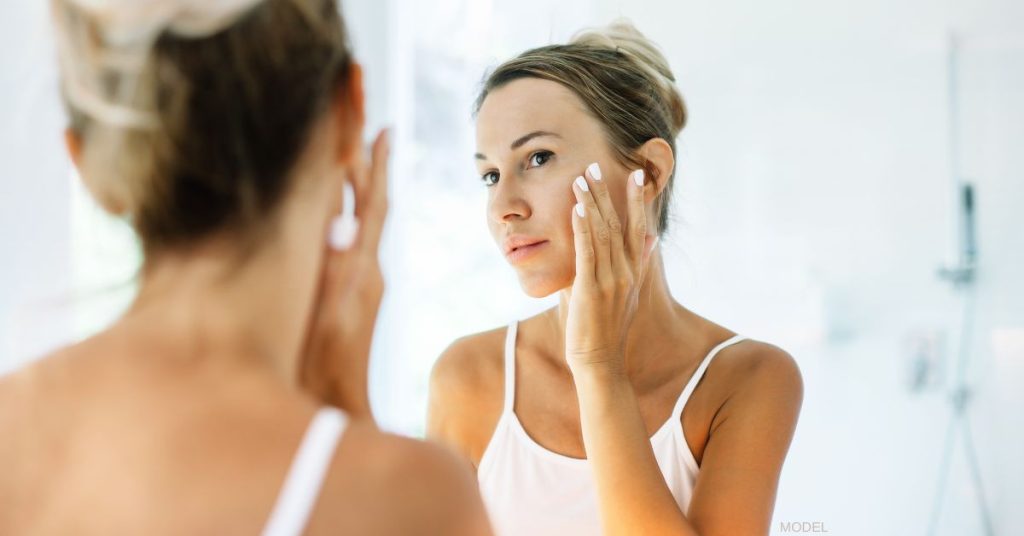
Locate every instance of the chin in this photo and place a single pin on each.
(543, 285)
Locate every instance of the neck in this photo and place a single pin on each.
(205, 308)
(658, 317)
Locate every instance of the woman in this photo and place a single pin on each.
(231, 397)
(619, 411)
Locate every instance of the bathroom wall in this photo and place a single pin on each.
(815, 207)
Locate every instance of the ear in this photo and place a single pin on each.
(74, 146)
(659, 163)
(350, 106)
(107, 201)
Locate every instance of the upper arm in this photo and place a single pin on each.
(438, 488)
(465, 397)
(457, 505)
(382, 483)
(750, 436)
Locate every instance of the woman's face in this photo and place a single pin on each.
(534, 137)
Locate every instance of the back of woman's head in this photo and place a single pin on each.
(623, 81)
(192, 113)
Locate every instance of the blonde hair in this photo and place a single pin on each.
(623, 80)
(191, 113)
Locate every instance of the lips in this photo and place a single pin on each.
(522, 253)
(519, 247)
(514, 242)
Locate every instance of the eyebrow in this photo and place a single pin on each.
(522, 141)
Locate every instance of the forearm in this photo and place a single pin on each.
(631, 490)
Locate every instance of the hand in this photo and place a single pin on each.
(611, 261)
(335, 359)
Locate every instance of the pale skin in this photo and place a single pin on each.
(597, 375)
(200, 394)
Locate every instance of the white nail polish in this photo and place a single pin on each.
(595, 171)
(344, 226)
(343, 232)
(579, 209)
(638, 177)
(582, 183)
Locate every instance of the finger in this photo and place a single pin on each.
(583, 245)
(616, 253)
(345, 266)
(355, 172)
(340, 270)
(372, 201)
(343, 229)
(599, 189)
(636, 234)
(599, 234)
(323, 286)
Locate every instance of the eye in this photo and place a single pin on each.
(490, 178)
(539, 158)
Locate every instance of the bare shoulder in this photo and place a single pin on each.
(399, 485)
(14, 387)
(471, 362)
(58, 369)
(761, 390)
(759, 368)
(17, 389)
(759, 398)
(466, 392)
(43, 379)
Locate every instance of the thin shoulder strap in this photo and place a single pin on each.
(677, 411)
(510, 365)
(309, 467)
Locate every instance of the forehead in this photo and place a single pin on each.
(527, 105)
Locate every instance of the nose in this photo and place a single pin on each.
(506, 202)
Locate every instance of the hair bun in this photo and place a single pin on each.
(100, 41)
(124, 22)
(623, 37)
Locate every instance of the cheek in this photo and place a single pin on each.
(618, 190)
(558, 207)
(492, 225)
(488, 214)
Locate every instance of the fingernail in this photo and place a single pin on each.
(595, 171)
(638, 177)
(579, 209)
(343, 233)
(582, 183)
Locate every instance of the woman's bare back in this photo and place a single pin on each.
(108, 436)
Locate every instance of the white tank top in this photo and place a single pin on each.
(309, 467)
(530, 490)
